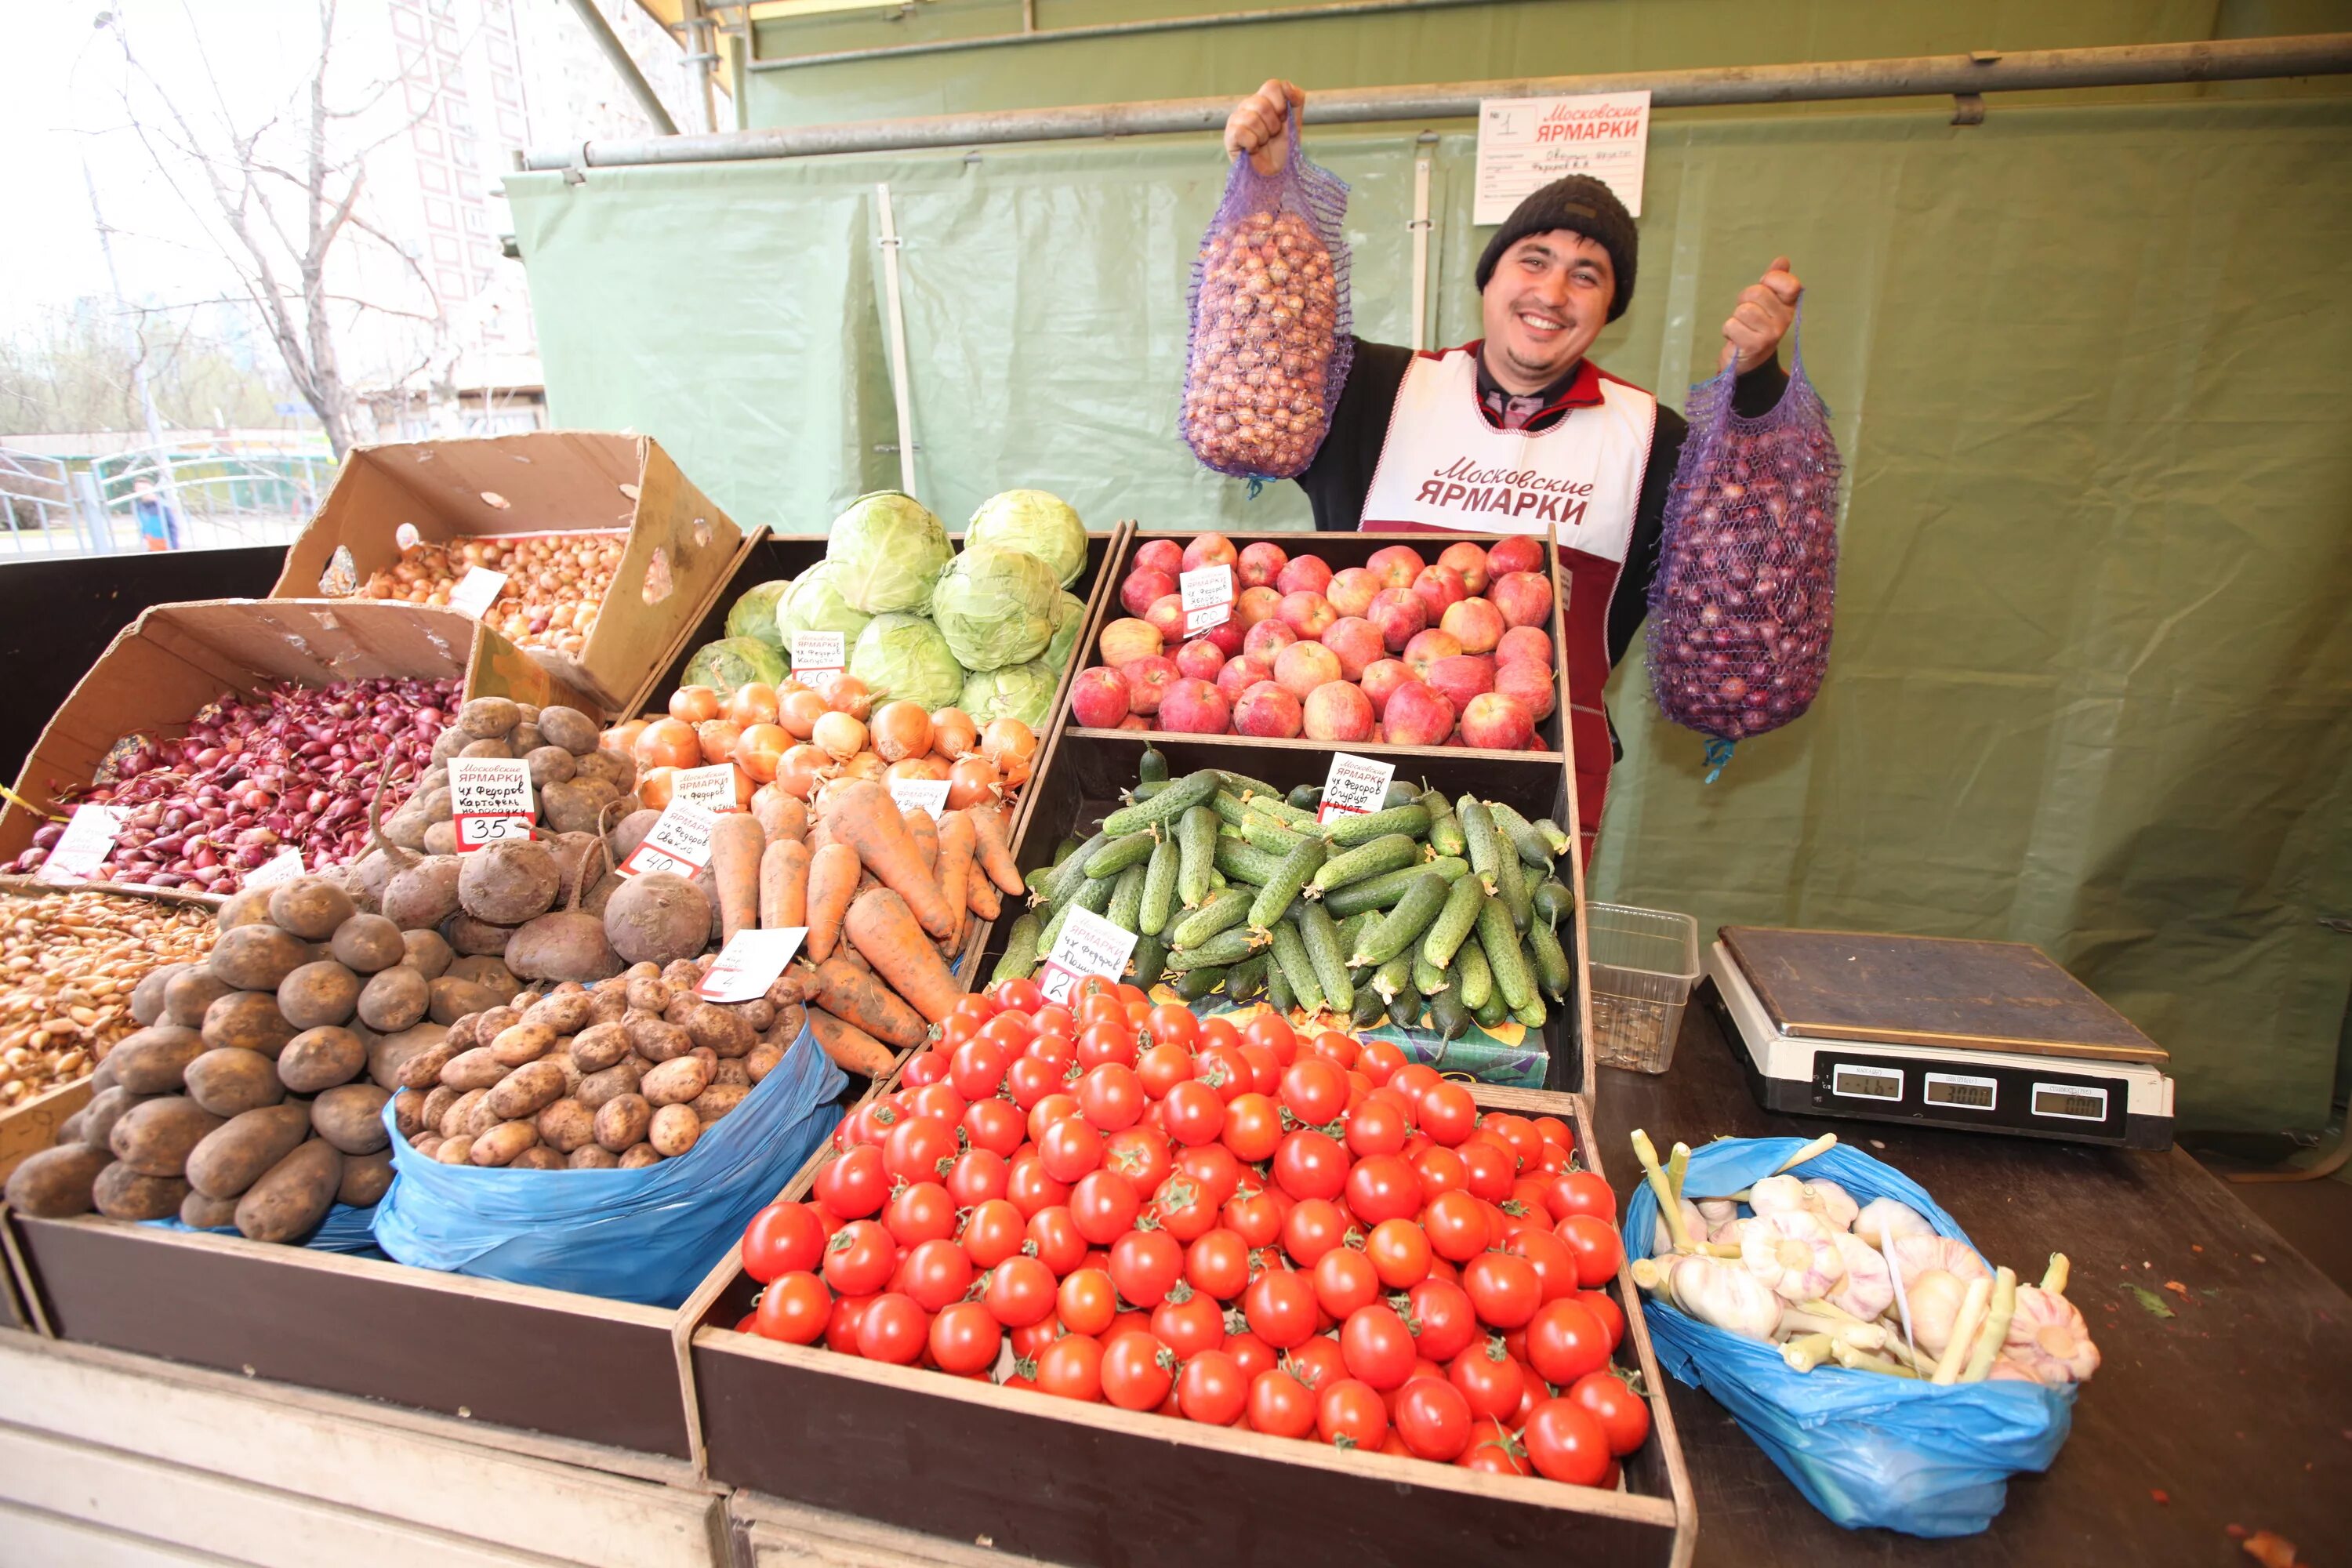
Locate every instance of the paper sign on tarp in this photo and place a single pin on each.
(711, 788)
(1526, 143)
(817, 653)
(477, 591)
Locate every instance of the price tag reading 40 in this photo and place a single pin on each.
(1208, 597)
(1354, 786)
(1088, 944)
(489, 801)
(679, 844)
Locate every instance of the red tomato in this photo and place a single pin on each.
(1105, 1207)
(1280, 1306)
(995, 1125)
(794, 1307)
(1162, 1067)
(1069, 1149)
(1087, 1301)
(1019, 995)
(1269, 1030)
(1604, 1308)
(1052, 1239)
(1446, 1112)
(1213, 1389)
(1383, 1187)
(1137, 1370)
(1071, 1368)
(1059, 1050)
(1554, 1265)
(928, 1067)
(1432, 1418)
(1031, 1080)
(1345, 1279)
(1313, 1227)
(1598, 1249)
(1319, 1363)
(993, 1233)
(1489, 1379)
(893, 1329)
(1399, 1249)
(1058, 1106)
(1010, 1032)
(1279, 1404)
(919, 1211)
(1193, 1113)
(1140, 1155)
(1314, 1091)
(1457, 1226)
(1030, 1340)
(1377, 1346)
(1486, 1170)
(1255, 1216)
(1494, 1448)
(921, 1148)
(978, 1175)
(1377, 1127)
(964, 1338)
(1440, 1170)
(1055, 1019)
(1503, 1288)
(1029, 1188)
(1448, 1322)
(1098, 1004)
(1172, 1024)
(1104, 1043)
(1189, 1322)
(1182, 1209)
(1254, 1354)
(1253, 1127)
(1265, 1070)
(979, 1007)
(1212, 1166)
(1310, 1164)
(782, 1238)
(1580, 1192)
(1566, 1443)
(1565, 1342)
(1020, 1292)
(1624, 1414)
(841, 1329)
(1351, 1413)
(937, 1273)
(859, 1258)
(1379, 1061)
(855, 1186)
(1413, 1080)
(1144, 1263)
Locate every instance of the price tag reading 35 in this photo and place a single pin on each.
(489, 801)
(1354, 786)
(1088, 944)
(817, 653)
(679, 844)
(1208, 597)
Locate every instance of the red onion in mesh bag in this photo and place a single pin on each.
(1739, 608)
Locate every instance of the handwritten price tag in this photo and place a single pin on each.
(679, 844)
(477, 591)
(925, 795)
(88, 838)
(750, 963)
(1088, 944)
(817, 653)
(1208, 597)
(489, 801)
(711, 788)
(1354, 786)
(284, 868)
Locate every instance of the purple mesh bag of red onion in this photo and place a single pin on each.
(1269, 346)
(1739, 608)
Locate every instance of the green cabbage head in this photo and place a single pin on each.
(815, 604)
(886, 551)
(1043, 525)
(755, 614)
(730, 662)
(905, 658)
(996, 606)
(1023, 691)
(1069, 619)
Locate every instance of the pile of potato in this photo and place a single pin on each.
(253, 1094)
(556, 583)
(572, 777)
(622, 1074)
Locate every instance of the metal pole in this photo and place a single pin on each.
(1927, 76)
(1420, 226)
(700, 62)
(899, 390)
(631, 77)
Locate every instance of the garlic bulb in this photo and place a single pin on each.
(1827, 1199)
(1777, 1195)
(1868, 1289)
(1917, 1254)
(1718, 1211)
(1718, 1291)
(1792, 1255)
(2048, 1339)
(1934, 1295)
(1662, 1240)
(1729, 1232)
(1891, 1219)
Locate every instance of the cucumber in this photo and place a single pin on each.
(1199, 984)
(1400, 794)
(1094, 893)
(1404, 923)
(1278, 993)
(1321, 935)
(1522, 836)
(1054, 927)
(1389, 852)
(1549, 960)
(1428, 979)
(1446, 834)
(1071, 870)
(1411, 819)
(1038, 881)
(1153, 768)
(1225, 948)
(1262, 832)
(1464, 899)
(1126, 910)
(1298, 968)
(1220, 913)
(1511, 885)
(1533, 1014)
(1169, 803)
(1352, 932)
(1147, 789)
(1128, 849)
(1150, 961)
(1019, 960)
(1513, 980)
(1229, 808)
(1552, 903)
(1437, 803)
(1384, 892)
(1550, 832)
(1472, 974)
(1196, 854)
(1394, 976)
(1246, 981)
(1159, 885)
(1306, 798)
(1406, 1008)
(1245, 863)
(1369, 1008)
(1065, 849)
(1450, 1016)
(1484, 840)
(1493, 1013)
(1274, 897)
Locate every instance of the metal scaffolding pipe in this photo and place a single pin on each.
(1927, 76)
(631, 77)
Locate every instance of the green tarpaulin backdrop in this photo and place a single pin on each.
(2092, 685)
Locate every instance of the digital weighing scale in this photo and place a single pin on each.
(1987, 1036)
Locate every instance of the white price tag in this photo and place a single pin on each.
(925, 795)
(817, 653)
(284, 868)
(1088, 944)
(750, 963)
(711, 788)
(1354, 786)
(477, 591)
(490, 801)
(679, 844)
(1208, 597)
(89, 839)
(1525, 143)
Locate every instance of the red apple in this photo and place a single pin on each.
(1269, 639)
(1357, 642)
(1530, 683)
(1497, 724)
(1463, 677)
(1304, 665)
(1136, 595)
(1099, 696)
(1524, 645)
(1308, 613)
(1261, 564)
(1199, 660)
(1269, 712)
(1194, 708)
(1148, 680)
(1134, 722)
(1160, 555)
(1256, 605)
(1351, 591)
(1396, 565)
(1427, 648)
(1400, 613)
(1519, 552)
(1524, 597)
(1439, 587)
(1126, 639)
(1167, 617)
(1225, 637)
(1240, 674)
(1209, 550)
(1470, 561)
(1476, 622)
(1381, 678)
(1305, 574)
(1337, 710)
(1417, 715)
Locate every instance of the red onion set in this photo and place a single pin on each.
(1256, 391)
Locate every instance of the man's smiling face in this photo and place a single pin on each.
(1543, 308)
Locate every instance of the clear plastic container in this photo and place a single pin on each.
(1644, 962)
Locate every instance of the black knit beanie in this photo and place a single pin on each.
(1580, 204)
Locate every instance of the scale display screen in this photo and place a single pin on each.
(1964, 1093)
(1866, 1082)
(2073, 1101)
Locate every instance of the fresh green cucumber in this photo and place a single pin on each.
(1321, 935)
(1169, 803)
(1246, 863)
(1450, 1015)
(1493, 1012)
(1550, 962)
(1150, 963)
(1147, 789)
(1464, 899)
(1484, 840)
(1199, 984)
(1369, 1008)
(1428, 979)
(1196, 854)
(1549, 831)
(1246, 981)
(1533, 1014)
(1471, 974)
(1511, 886)
(1389, 852)
(1278, 993)
(1399, 793)
(1393, 977)
(1126, 910)
(1153, 768)
(1386, 890)
(1225, 948)
(1405, 921)
(1297, 866)
(1129, 849)
(1306, 798)
(1522, 836)
(1071, 870)
(1222, 912)
(1513, 980)
(1552, 903)
(1411, 819)
(1263, 832)
(1297, 967)
(1159, 885)
(1019, 960)
(1446, 834)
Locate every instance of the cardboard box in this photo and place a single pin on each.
(680, 546)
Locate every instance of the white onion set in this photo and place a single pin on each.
(555, 585)
(1257, 397)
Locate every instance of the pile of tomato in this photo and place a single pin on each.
(1241, 1226)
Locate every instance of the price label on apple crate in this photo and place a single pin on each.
(1208, 597)
(284, 868)
(750, 963)
(490, 801)
(1354, 786)
(818, 653)
(1088, 944)
(923, 794)
(711, 788)
(679, 844)
(477, 591)
(88, 840)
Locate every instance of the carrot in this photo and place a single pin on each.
(863, 818)
(819, 835)
(832, 883)
(882, 927)
(781, 814)
(783, 885)
(980, 896)
(926, 835)
(737, 842)
(855, 997)
(850, 1047)
(995, 852)
(957, 845)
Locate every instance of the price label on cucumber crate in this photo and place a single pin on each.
(817, 653)
(711, 788)
(1088, 944)
(489, 801)
(1354, 786)
(679, 844)
(88, 840)
(1208, 597)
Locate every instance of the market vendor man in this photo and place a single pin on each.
(1597, 454)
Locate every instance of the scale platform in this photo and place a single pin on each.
(1985, 1036)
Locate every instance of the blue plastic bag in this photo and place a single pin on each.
(646, 1235)
(345, 1229)
(1863, 1449)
